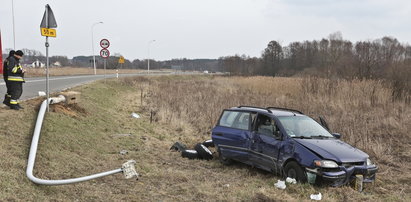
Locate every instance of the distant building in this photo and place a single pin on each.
(56, 64)
(36, 64)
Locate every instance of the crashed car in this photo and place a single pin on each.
(287, 142)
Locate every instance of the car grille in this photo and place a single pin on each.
(351, 164)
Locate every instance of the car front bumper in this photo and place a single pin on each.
(341, 175)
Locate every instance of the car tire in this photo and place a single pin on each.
(208, 143)
(190, 154)
(224, 160)
(203, 152)
(294, 170)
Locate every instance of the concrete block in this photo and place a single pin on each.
(72, 97)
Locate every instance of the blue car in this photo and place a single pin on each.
(289, 143)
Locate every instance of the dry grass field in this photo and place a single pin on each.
(84, 139)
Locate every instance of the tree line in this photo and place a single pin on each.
(332, 57)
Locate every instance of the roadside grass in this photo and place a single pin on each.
(86, 138)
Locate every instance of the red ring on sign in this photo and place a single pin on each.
(101, 43)
(104, 55)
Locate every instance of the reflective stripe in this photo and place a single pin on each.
(15, 68)
(15, 78)
(13, 102)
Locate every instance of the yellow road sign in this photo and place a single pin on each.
(121, 60)
(48, 32)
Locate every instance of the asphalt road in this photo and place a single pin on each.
(58, 83)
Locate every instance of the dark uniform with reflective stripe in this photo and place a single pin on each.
(15, 78)
(5, 73)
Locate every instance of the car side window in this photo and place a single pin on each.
(265, 125)
(233, 119)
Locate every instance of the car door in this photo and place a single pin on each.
(232, 135)
(265, 143)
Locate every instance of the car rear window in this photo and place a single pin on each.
(233, 119)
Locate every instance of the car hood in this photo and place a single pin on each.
(334, 149)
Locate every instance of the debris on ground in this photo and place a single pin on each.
(291, 180)
(203, 152)
(190, 154)
(135, 115)
(280, 184)
(316, 197)
(200, 151)
(123, 152)
(226, 185)
(42, 93)
(178, 146)
(208, 143)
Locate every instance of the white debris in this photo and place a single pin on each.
(226, 185)
(135, 115)
(123, 152)
(316, 197)
(42, 93)
(291, 180)
(280, 184)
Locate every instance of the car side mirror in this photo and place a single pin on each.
(337, 135)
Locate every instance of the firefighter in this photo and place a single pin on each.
(5, 64)
(15, 79)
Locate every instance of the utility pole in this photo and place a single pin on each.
(148, 61)
(92, 45)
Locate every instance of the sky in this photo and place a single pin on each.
(198, 28)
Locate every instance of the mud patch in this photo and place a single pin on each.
(72, 110)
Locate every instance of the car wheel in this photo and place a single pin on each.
(293, 170)
(224, 160)
(190, 154)
(203, 152)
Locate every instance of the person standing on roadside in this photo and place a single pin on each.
(15, 79)
(5, 73)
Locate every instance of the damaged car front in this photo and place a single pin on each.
(332, 161)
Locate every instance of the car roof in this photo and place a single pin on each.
(269, 111)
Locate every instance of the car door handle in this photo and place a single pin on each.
(219, 134)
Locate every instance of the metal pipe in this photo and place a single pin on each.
(33, 151)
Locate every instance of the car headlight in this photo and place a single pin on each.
(369, 162)
(325, 164)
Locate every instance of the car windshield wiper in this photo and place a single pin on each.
(321, 136)
(302, 137)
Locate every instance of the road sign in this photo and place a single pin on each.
(48, 32)
(121, 60)
(104, 53)
(104, 43)
(49, 21)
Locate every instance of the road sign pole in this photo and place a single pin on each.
(105, 63)
(47, 73)
(47, 61)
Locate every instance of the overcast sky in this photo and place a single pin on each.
(199, 28)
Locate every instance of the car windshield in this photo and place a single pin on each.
(303, 127)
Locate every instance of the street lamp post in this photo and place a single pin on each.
(14, 29)
(148, 61)
(92, 45)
